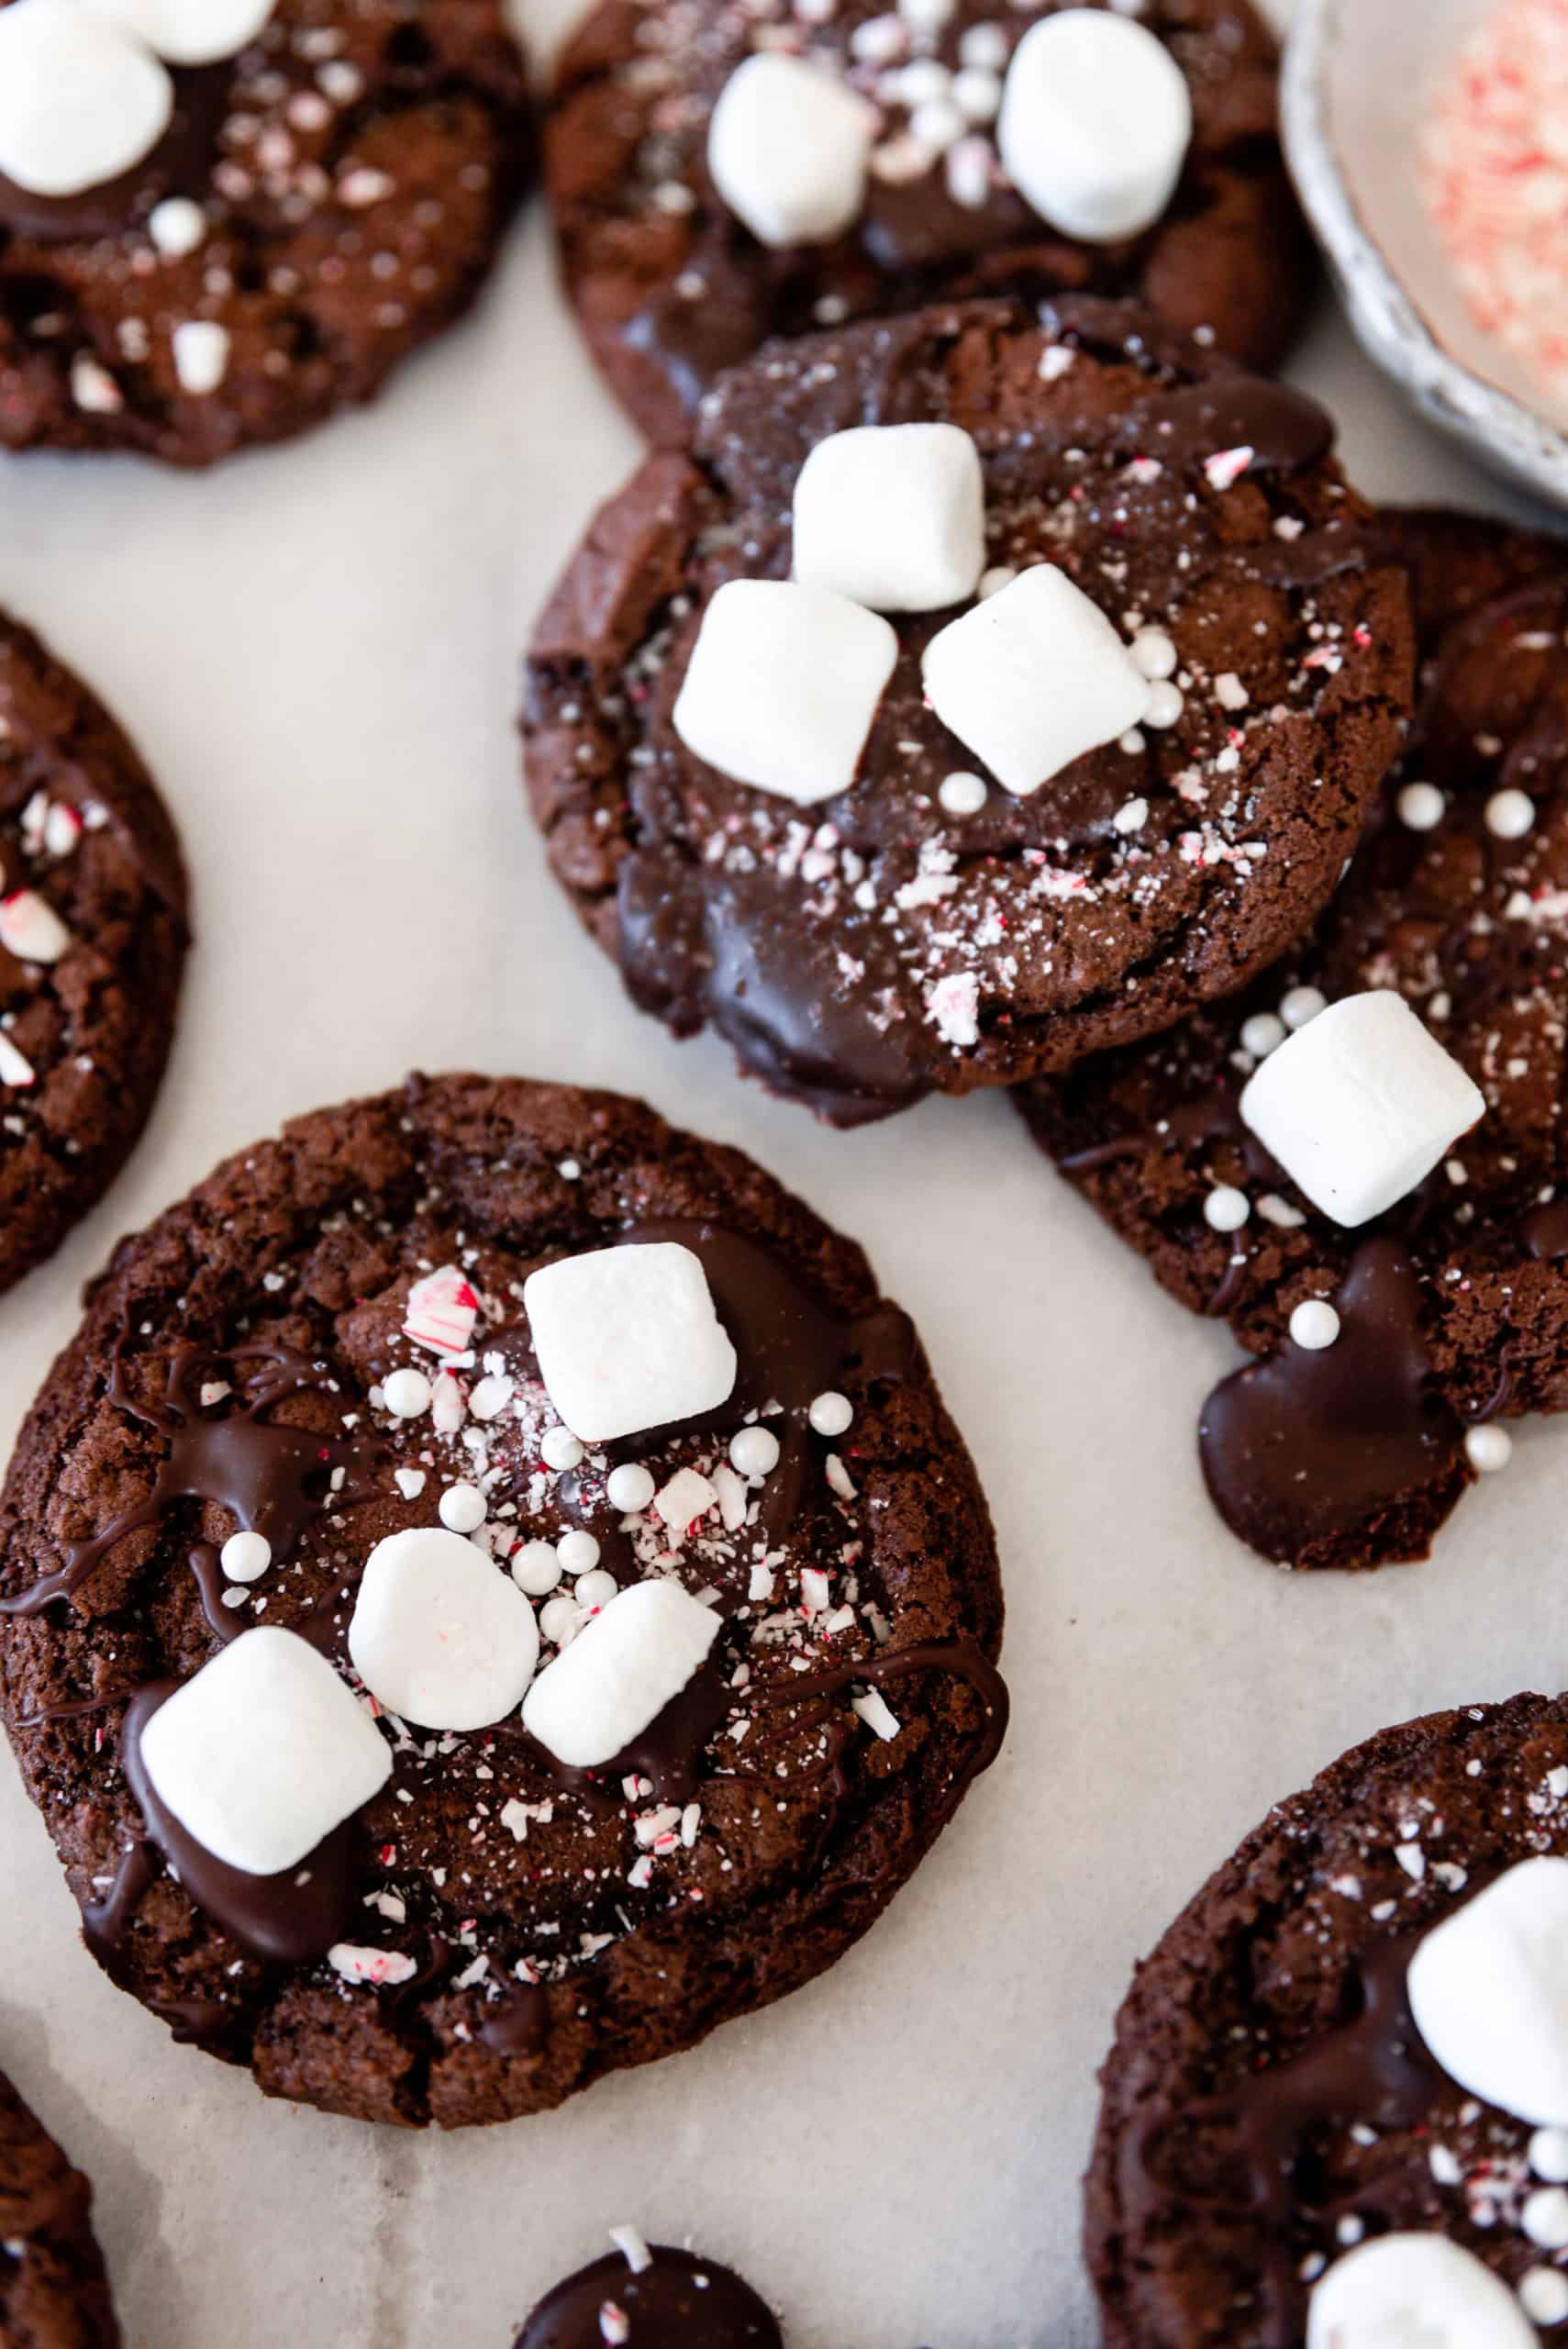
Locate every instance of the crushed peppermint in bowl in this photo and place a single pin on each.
(1428, 142)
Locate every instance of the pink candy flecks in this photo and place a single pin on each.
(1494, 158)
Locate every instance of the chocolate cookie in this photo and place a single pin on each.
(1283, 2102)
(651, 2296)
(320, 203)
(53, 2291)
(672, 287)
(1452, 1306)
(924, 929)
(92, 941)
(308, 1420)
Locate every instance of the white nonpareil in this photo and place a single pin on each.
(628, 1339)
(190, 32)
(782, 685)
(1489, 1991)
(1360, 1105)
(1415, 2292)
(264, 1752)
(619, 1673)
(1096, 123)
(893, 515)
(1034, 677)
(439, 1635)
(81, 99)
(788, 148)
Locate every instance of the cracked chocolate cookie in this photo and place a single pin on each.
(53, 2291)
(976, 695)
(217, 226)
(1335, 2108)
(1393, 1346)
(722, 175)
(490, 1592)
(93, 938)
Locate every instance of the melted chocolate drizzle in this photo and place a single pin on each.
(679, 2302)
(961, 1658)
(1306, 1447)
(1373, 2071)
(274, 1478)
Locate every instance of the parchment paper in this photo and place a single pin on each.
(318, 650)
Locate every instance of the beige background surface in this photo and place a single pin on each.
(317, 650)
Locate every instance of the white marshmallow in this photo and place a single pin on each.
(190, 32)
(439, 1635)
(1034, 677)
(893, 515)
(1359, 1106)
(620, 1671)
(788, 148)
(782, 685)
(81, 99)
(1096, 123)
(1415, 2292)
(1489, 1991)
(628, 1339)
(265, 1752)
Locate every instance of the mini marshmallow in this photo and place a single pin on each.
(438, 1634)
(190, 32)
(81, 100)
(893, 515)
(1489, 1992)
(1360, 1105)
(1096, 123)
(264, 1752)
(1409, 2289)
(619, 1673)
(788, 148)
(628, 1339)
(782, 685)
(1033, 679)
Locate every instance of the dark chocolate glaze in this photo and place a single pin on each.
(518, 2024)
(1306, 1447)
(285, 1919)
(1373, 2071)
(1545, 1231)
(275, 1479)
(681, 2301)
(1287, 431)
(180, 165)
(961, 1658)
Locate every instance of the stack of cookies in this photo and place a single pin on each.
(492, 1589)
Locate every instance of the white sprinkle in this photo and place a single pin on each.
(558, 1620)
(1510, 814)
(1545, 2218)
(1155, 654)
(245, 1557)
(754, 1450)
(1131, 818)
(632, 2249)
(176, 226)
(1300, 1005)
(630, 1488)
(1421, 806)
(1315, 1325)
(93, 388)
(1226, 1209)
(1166, 704)
(406, 1393)
(1262, 1034)
(831, 1414)
(463, 1509)
(962, 795)
(594, 1589)
(559, 1448)
(1488, 1449)
(1549, 2156)
(1543, 2295)
(577, 1550)
(536, 1569)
